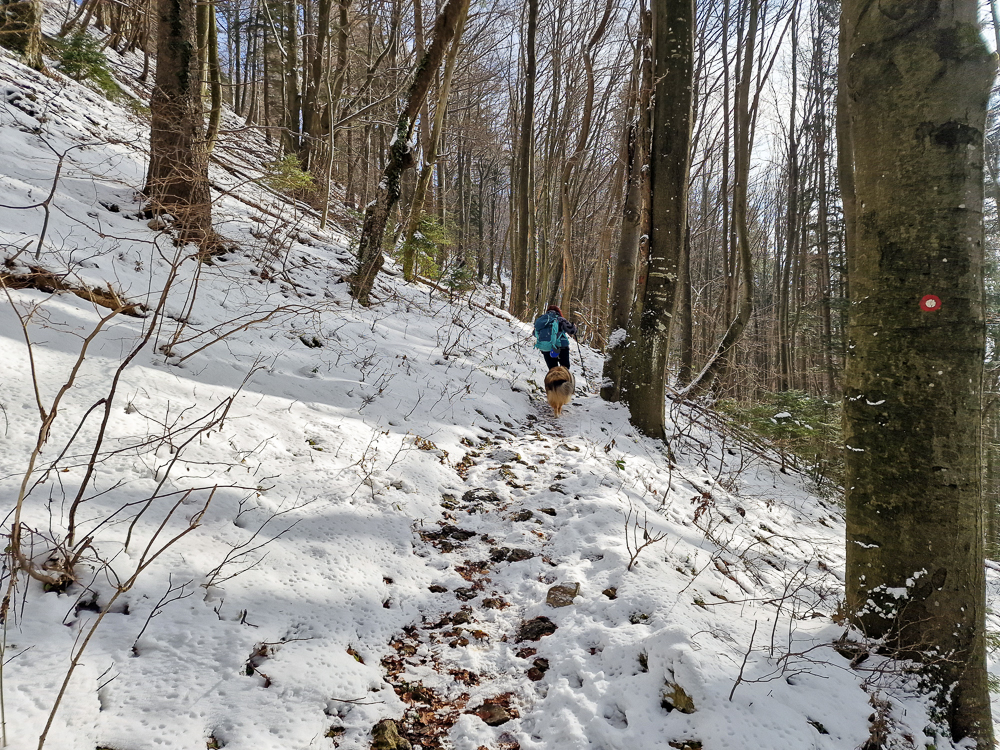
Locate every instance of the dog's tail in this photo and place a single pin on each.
(554, 383)
(559, 386)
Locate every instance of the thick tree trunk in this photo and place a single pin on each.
(21, 30)
(177, 181)
(644, 384)
(917, 82)
(312, 107)
(400, 157)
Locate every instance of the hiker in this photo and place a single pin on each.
(552, 332)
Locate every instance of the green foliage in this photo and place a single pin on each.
(287, 176)
(460, 278)
(429, 241)
(81, 57)
(803, 426)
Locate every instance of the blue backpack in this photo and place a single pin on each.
(547, 336)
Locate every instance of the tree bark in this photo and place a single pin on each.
(917, 82)
(21, 30)
(177, 181)
(518, 306)
(400, 156)
(644, 384)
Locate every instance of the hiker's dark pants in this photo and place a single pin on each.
(561, 359)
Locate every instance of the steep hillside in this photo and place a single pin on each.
(289, 517)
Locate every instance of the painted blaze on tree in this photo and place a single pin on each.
(918, 77)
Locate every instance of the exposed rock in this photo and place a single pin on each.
(461, 618)
(504, 455)
(385, 736)
(538, 669)
(673, 697)
(536, 629)
(492, 714)
(547, 511)
(437, 588)
(562, 595)
(466, 594)
(611, 593)
(522, 515)
(481, 495)
(499, 554)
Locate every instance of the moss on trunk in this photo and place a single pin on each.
(917, 85)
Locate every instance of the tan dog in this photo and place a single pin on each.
(559, 388)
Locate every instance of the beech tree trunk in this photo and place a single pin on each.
(917, 82)
(177, 181)
(21, 30)
(645, 381)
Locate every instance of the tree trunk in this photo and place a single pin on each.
(518, 306)
(312, 108)
(177, 181)
(917, 83)
(644, 384)
(400, 157)
(21, 30)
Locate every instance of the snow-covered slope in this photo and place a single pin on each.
(391, 508)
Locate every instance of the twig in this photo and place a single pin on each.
(739, 677)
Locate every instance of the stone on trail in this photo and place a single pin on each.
(492, 714)
(481, 495)
(535, 629)
(385, 736)
(562, 595)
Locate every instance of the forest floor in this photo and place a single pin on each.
(396, 527)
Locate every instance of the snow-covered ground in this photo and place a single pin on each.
(390, 505)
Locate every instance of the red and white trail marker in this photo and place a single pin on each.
(930, 303)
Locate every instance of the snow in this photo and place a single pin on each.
(300, 611)
(617, 338)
